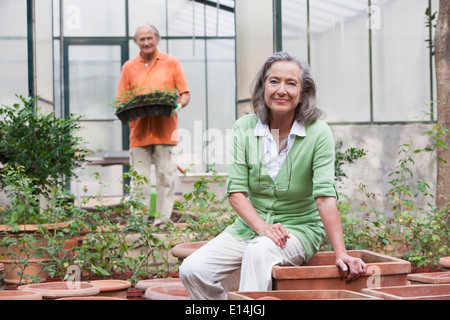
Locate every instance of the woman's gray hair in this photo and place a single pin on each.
(306, 111)
(157, 34)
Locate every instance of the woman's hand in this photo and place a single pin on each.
(355, 266)
(277, 233)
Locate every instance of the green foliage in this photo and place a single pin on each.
(21, 190)
(106, 241)
(349, 156)
(417, 230)
(206, 216)
(430, 22)
(145, 96)
(44, 145)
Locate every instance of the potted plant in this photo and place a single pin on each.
(23, 228)
(44, 145)
(138, 105)
(38, 153)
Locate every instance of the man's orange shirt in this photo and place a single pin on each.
(165, 73)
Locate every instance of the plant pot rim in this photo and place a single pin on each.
(111, 284)
(19, 295)
(445, 262)
(143, 285)
(61, 289)
(430, 277)
(167, 291)
(31, 227)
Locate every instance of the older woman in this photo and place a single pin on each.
(281, 184)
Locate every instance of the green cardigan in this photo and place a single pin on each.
(311, 175)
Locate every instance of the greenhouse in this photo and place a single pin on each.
(380, 74)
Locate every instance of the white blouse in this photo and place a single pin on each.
(274, 157)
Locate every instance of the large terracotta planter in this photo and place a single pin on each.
(321, 273)
(19, 295)
(167, 291)
(34, 270)
(411, 292)
(183, 250)
(56, 290)
(13, 262)
(35, 264)
(300, 295)
(112, 288)
(430, 278)
(445, 262)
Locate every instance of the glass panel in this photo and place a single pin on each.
(295, 28)
(340, 58)
(221, 99)
(13, 18)
(94, 18)
(401, 72)
(185, 18)
(94, 73)
(100, 136)
(144, 11)
(219, 22)
(192, 120)
(14, 63)
(44, 54)
(14, 59)
(57, 77)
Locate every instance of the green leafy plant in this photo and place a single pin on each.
(28, 238)
(414, 229)
(423, 227)
(206, 216)
(347, 156)
(133, 96)
(44, 145)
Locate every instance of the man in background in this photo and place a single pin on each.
(153, 138)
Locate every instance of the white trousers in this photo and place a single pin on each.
(203, 271)
(141, 159)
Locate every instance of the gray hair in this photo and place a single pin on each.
(306, 112)
(158, 36)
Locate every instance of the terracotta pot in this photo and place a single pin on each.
(167, 291)
(411, 292)
(183, 250)
(445, 262)
(112, 288)
(431, 278)
(143, 285)
(321, 273)
(55, 290)
(135, 294)
(35, 268)
(19, 295)
(300, 295)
